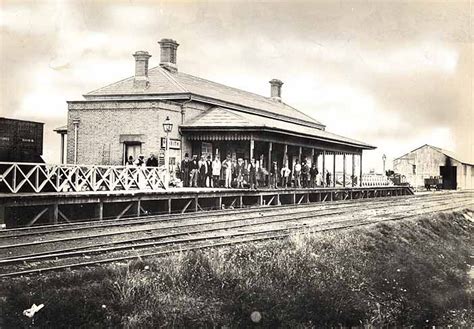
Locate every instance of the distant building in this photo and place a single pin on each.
(430, 161)
(21, 141)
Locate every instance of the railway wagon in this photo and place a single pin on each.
(21, 141)
(434, 182)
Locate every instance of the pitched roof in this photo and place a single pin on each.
(452, 155)
(447, 153)
(162, 81)
(219, 117)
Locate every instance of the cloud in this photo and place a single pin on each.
(394, 74)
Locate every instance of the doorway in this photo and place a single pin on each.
(449, 174)
(132, 149)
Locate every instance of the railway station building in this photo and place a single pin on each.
(428, 161)
(125, 119)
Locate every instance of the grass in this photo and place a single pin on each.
(406, 273)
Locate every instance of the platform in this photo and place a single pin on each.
(26, 209)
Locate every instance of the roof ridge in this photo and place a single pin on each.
(230, 87)
(453, 155)
(448, 153)
(267, 99)
(419, 147)
(170, 78)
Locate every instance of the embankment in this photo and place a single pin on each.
(406, 273)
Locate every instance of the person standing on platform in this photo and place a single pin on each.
(129, 162)
(313, 172)
(285, 175)
(227, 165)
(239, 169)
(216, 171)
(234, 172)
(246, 171)
(140, 177)
(185, 172)
(297, 174)
(194, 167)
(252, 174)
(152, 161)
(305, 174)
(319, 179)
(202, 172)
(209, 172)
(328, 178)
(274, 175)
(140, 162)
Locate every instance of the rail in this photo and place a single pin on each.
(42, 177)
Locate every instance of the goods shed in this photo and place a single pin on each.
(430, 162)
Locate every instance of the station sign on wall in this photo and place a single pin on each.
(175, 144)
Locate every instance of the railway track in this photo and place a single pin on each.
(41, 238)
(256, 226)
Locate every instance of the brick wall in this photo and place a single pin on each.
(191, 111)
(102, 123)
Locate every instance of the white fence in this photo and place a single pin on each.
(41, 177)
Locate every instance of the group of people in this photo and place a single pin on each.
(240, 173)
(205, 172)
(152, 161)
(302, 175)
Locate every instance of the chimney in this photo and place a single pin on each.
(168, 54)
(141, 69)
(276, 89)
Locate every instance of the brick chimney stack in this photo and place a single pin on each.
(168, 54)
(141, 69)
(276, 89)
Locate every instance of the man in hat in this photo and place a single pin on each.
(152, 161)
(202, 172)
(209, 172)
(216, 171)
(185, 172)
(227, 165)
(194, 167)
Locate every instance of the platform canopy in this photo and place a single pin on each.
(226, 124)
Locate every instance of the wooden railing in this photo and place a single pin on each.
(41, 177)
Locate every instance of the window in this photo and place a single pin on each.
(206, 149)
(414, 169)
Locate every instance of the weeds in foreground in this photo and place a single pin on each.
(408, 273)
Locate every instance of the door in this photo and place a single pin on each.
(133, 150)
(449, 174)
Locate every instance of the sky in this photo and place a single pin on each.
(395, 74)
